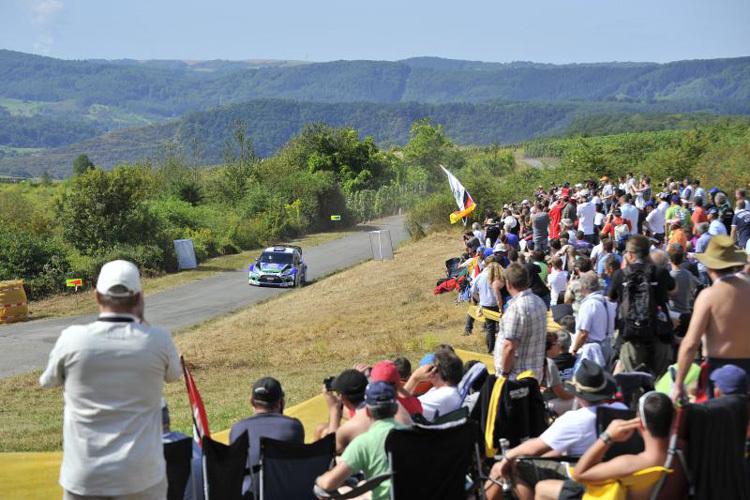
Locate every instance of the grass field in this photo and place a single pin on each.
(70, 304)
(373, 311)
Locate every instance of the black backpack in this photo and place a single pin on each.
(638, 307)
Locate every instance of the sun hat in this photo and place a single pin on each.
(119, 273)
(730, 379)
(350, 382)
(604, 178)
(591, 383)
(267, 390)
(721, 254)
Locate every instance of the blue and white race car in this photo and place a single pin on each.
(279, 266)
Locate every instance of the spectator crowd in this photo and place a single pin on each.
(641, 283)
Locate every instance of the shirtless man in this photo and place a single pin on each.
(655, 413)
(719, 316)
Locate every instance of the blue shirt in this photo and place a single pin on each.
(700, 247)
(600, 264)
(483, 287)
(512, 240)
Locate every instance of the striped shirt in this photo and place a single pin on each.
(525, 321)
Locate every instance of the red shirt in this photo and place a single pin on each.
(410, 404)
(699, 215)
(555, 214)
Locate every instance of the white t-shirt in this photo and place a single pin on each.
(655, 221)
(575, 431)
(439, 401)
(557, 281)
(716, 228)
(586, 213)
(630, 212)
(113, 375)
(596, 252)
(663, 207)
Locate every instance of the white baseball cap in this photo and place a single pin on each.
(122, 273)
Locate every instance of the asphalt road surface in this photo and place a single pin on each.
(26, 346)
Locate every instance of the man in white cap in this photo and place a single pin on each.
(113, 373)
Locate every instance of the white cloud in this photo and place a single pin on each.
(43, 12)
(43, 18)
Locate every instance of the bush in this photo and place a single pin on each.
(433, 213)
(41, 262)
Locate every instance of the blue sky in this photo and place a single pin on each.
(555, 31)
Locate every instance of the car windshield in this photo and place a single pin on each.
(276, 258)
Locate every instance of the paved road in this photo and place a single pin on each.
(25, 346)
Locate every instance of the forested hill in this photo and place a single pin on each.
(270, 123)
(171, 91)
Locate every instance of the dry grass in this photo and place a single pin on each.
(70, 304)
(372, 311)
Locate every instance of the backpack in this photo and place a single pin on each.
(622, 232)
(638, 306)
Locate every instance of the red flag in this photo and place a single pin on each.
(200, 421)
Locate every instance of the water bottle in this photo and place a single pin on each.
(507, 489)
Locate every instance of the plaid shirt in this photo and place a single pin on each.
(525, 321)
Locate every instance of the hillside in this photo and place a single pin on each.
(272, 122)
(171, 89)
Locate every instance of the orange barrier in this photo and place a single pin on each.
(13, 305)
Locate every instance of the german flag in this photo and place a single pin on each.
(464, 200)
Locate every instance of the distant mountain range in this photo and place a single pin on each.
(478, 102)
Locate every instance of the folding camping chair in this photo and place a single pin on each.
(427, 462)
(289, 470)
(224, 468)
(178, 455)
(523, 416)
(432, 462)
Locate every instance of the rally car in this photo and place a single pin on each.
(279, 266)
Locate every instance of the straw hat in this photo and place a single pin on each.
(721, 254)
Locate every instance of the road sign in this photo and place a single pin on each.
(74, 282)
(335, 217)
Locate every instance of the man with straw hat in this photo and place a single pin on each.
(720, 316)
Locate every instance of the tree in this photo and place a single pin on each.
(82, 164)
(241, 163)
(46, 179)
(105, 209)
(429, 147)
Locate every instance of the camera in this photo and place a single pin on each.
(328, 381)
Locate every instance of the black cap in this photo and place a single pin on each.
(267, 391)
(350, 383)
(592, 383)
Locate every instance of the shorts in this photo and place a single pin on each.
(533, 470)
(572, 490)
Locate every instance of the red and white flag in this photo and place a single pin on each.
(200, 421)
(463, 198)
